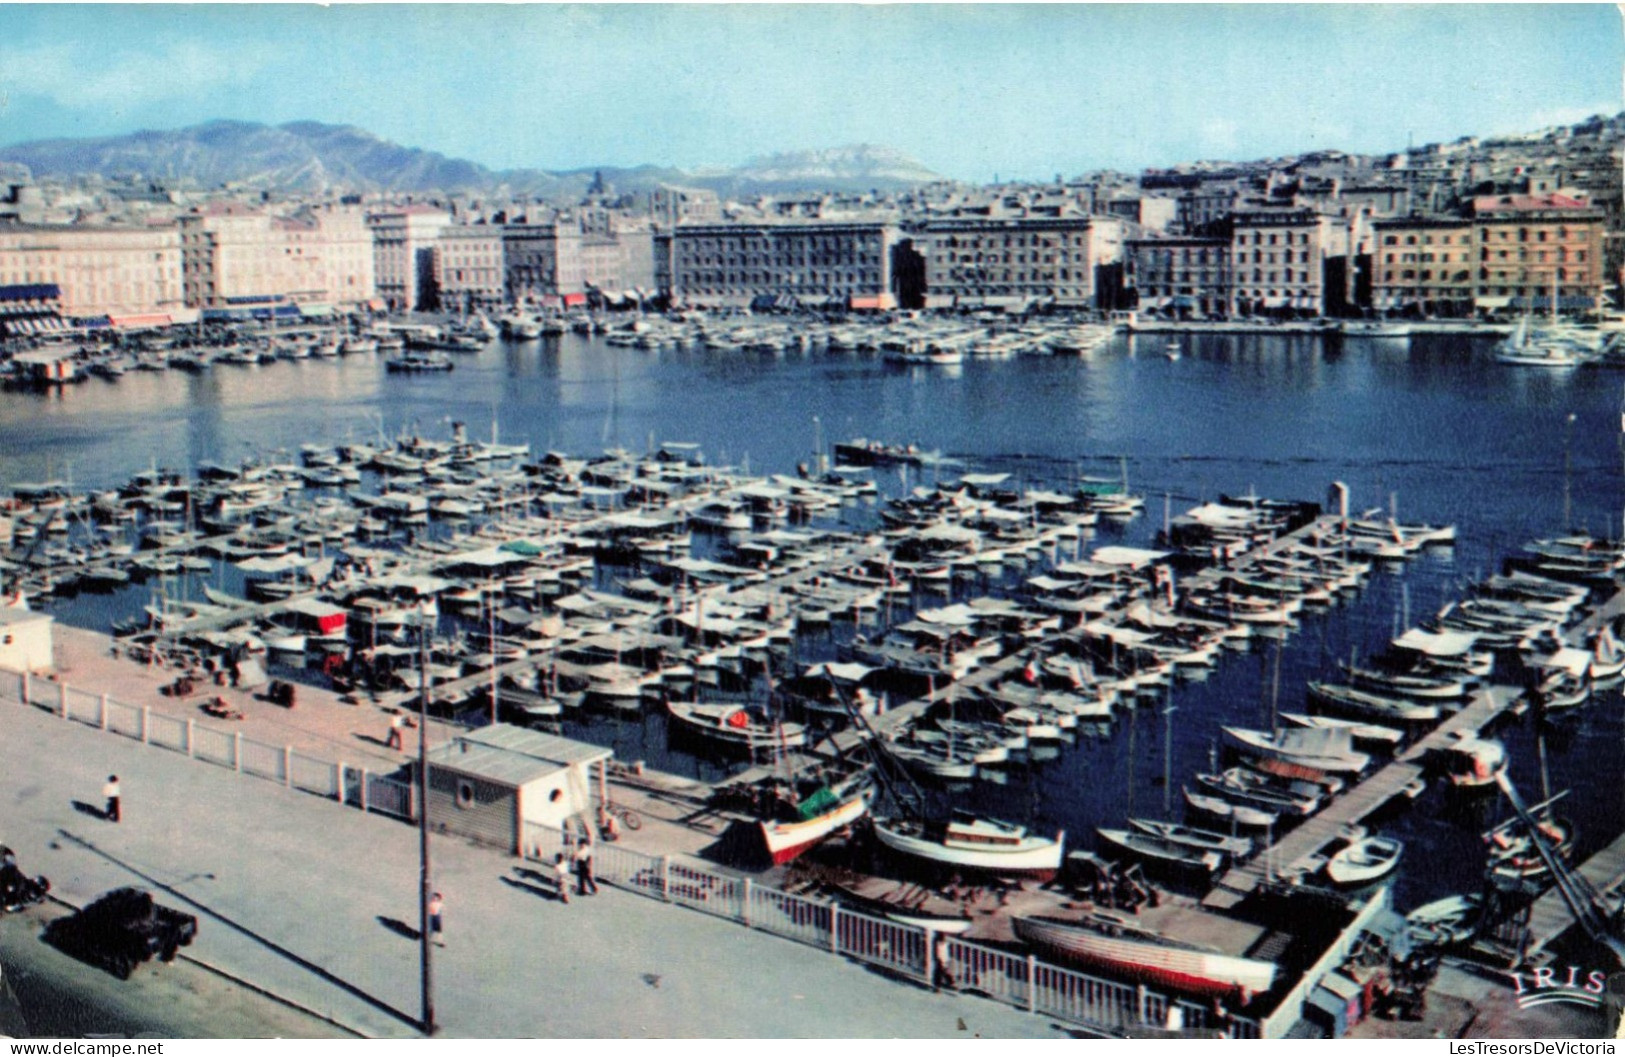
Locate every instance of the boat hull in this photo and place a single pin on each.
(1040, 859)
(1144, 959)
(786, 840)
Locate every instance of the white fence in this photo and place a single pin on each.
(1019, 980)
(281, 764)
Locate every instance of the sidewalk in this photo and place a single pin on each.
(298, 895)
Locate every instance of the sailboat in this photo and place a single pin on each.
(1550, 348)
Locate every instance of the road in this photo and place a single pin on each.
(313, 902)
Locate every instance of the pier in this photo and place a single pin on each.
(1295, 851)
(1550, 916)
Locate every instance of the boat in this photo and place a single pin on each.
(863, 452)
(825, 810)
(1122, 947)
(1238, 814)
(1156, 849)
(1364, 860)
(1366, 704)
(736, 725)
(1473, 762)
(1242, 786)
(1192, 837)
(1405, 684)
(909, 904)
(1324, 749)
(1366, 732)
(1446, 921)
(413, 362)
(969, 842)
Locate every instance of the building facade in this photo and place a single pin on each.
(1423, 266)
(1278, 261)
(404, 240)
(816, 262)
(318, 255)
(98, 271)
(1013, 261)
(578, 254)
(1183, 277)
(469, 268)
(1528, 246)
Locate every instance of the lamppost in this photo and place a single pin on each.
(425, 957)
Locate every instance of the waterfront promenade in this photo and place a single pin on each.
(307, 899)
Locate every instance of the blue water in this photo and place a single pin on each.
(1432, 423)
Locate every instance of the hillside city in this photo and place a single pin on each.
(1473, 228)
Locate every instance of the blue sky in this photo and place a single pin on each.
(969, 90)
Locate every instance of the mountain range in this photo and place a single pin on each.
(306, 156)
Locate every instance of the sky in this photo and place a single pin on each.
(971, 91)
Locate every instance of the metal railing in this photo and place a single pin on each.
(909, 951)
(353, 786)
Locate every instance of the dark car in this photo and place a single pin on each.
(122, 929)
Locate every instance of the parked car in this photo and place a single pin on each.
(122, 929)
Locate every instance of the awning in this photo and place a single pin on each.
(144, 321)
(873, 303)
(316, 311)
(574, 300)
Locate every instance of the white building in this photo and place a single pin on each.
(26, 640)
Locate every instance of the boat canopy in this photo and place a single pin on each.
(1133, 557)
(838, 672)
(273, 566)
(1575, 662)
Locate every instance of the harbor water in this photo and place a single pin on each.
(1430, 424)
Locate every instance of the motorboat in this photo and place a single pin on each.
(1472, 762)
(1192, 837)
(1364, 860)
(1446, 921)
(1371, 733)
(1117, 945)
(1237, 814)
(1326, 750)
(969, 842)
(1368, 704)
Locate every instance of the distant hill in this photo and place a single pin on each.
(311, 156)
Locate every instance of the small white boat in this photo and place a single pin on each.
(1442, 922)
(736, 725)
(1324, 749)
(1365, 860)
(968, 842)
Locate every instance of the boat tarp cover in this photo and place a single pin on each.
(818, 803)
(525, 547)
(1133, 557)
(282, 564)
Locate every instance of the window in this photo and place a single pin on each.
(465, 793)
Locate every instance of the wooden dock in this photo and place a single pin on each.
(1580, 634)
(1289, 854)
(1550, 917)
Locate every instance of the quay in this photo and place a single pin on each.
(1550, 916)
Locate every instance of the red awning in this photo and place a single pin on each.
(574, 300)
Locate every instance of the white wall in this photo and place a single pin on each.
(26, 647)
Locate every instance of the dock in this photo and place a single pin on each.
(1580, 634)
(1550, 916)
(1292, 851)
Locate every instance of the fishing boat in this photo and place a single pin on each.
(1324, 750)
(1405, 684)
(966, 841)
(737, 726)
(1156, 849)
(805, 822)
(1122, 947)
(1239, 785)
(1364, 860)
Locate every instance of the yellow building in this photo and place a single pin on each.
(1423, 265)
(320, 255)
(99, 271)
(1527, 246)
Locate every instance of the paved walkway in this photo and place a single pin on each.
(299, 896)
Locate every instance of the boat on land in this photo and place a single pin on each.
(737, 726)
(1123, 947)
(799, 824)
(967, 841)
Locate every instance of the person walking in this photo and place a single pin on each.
(437, 920)
(395, 741)
(585, 883)
(942, 974)
(561, 877)
(112, 793)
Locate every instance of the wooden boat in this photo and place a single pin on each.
(1242, 786)
(1116, 945)
(1364, 860)
(908, 904)
(1474, 762)
(736, 725)
(815, 817)
(1323, 750)
(1192, 837)
(968, 842)
(1156, 849)
(1366, 704)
